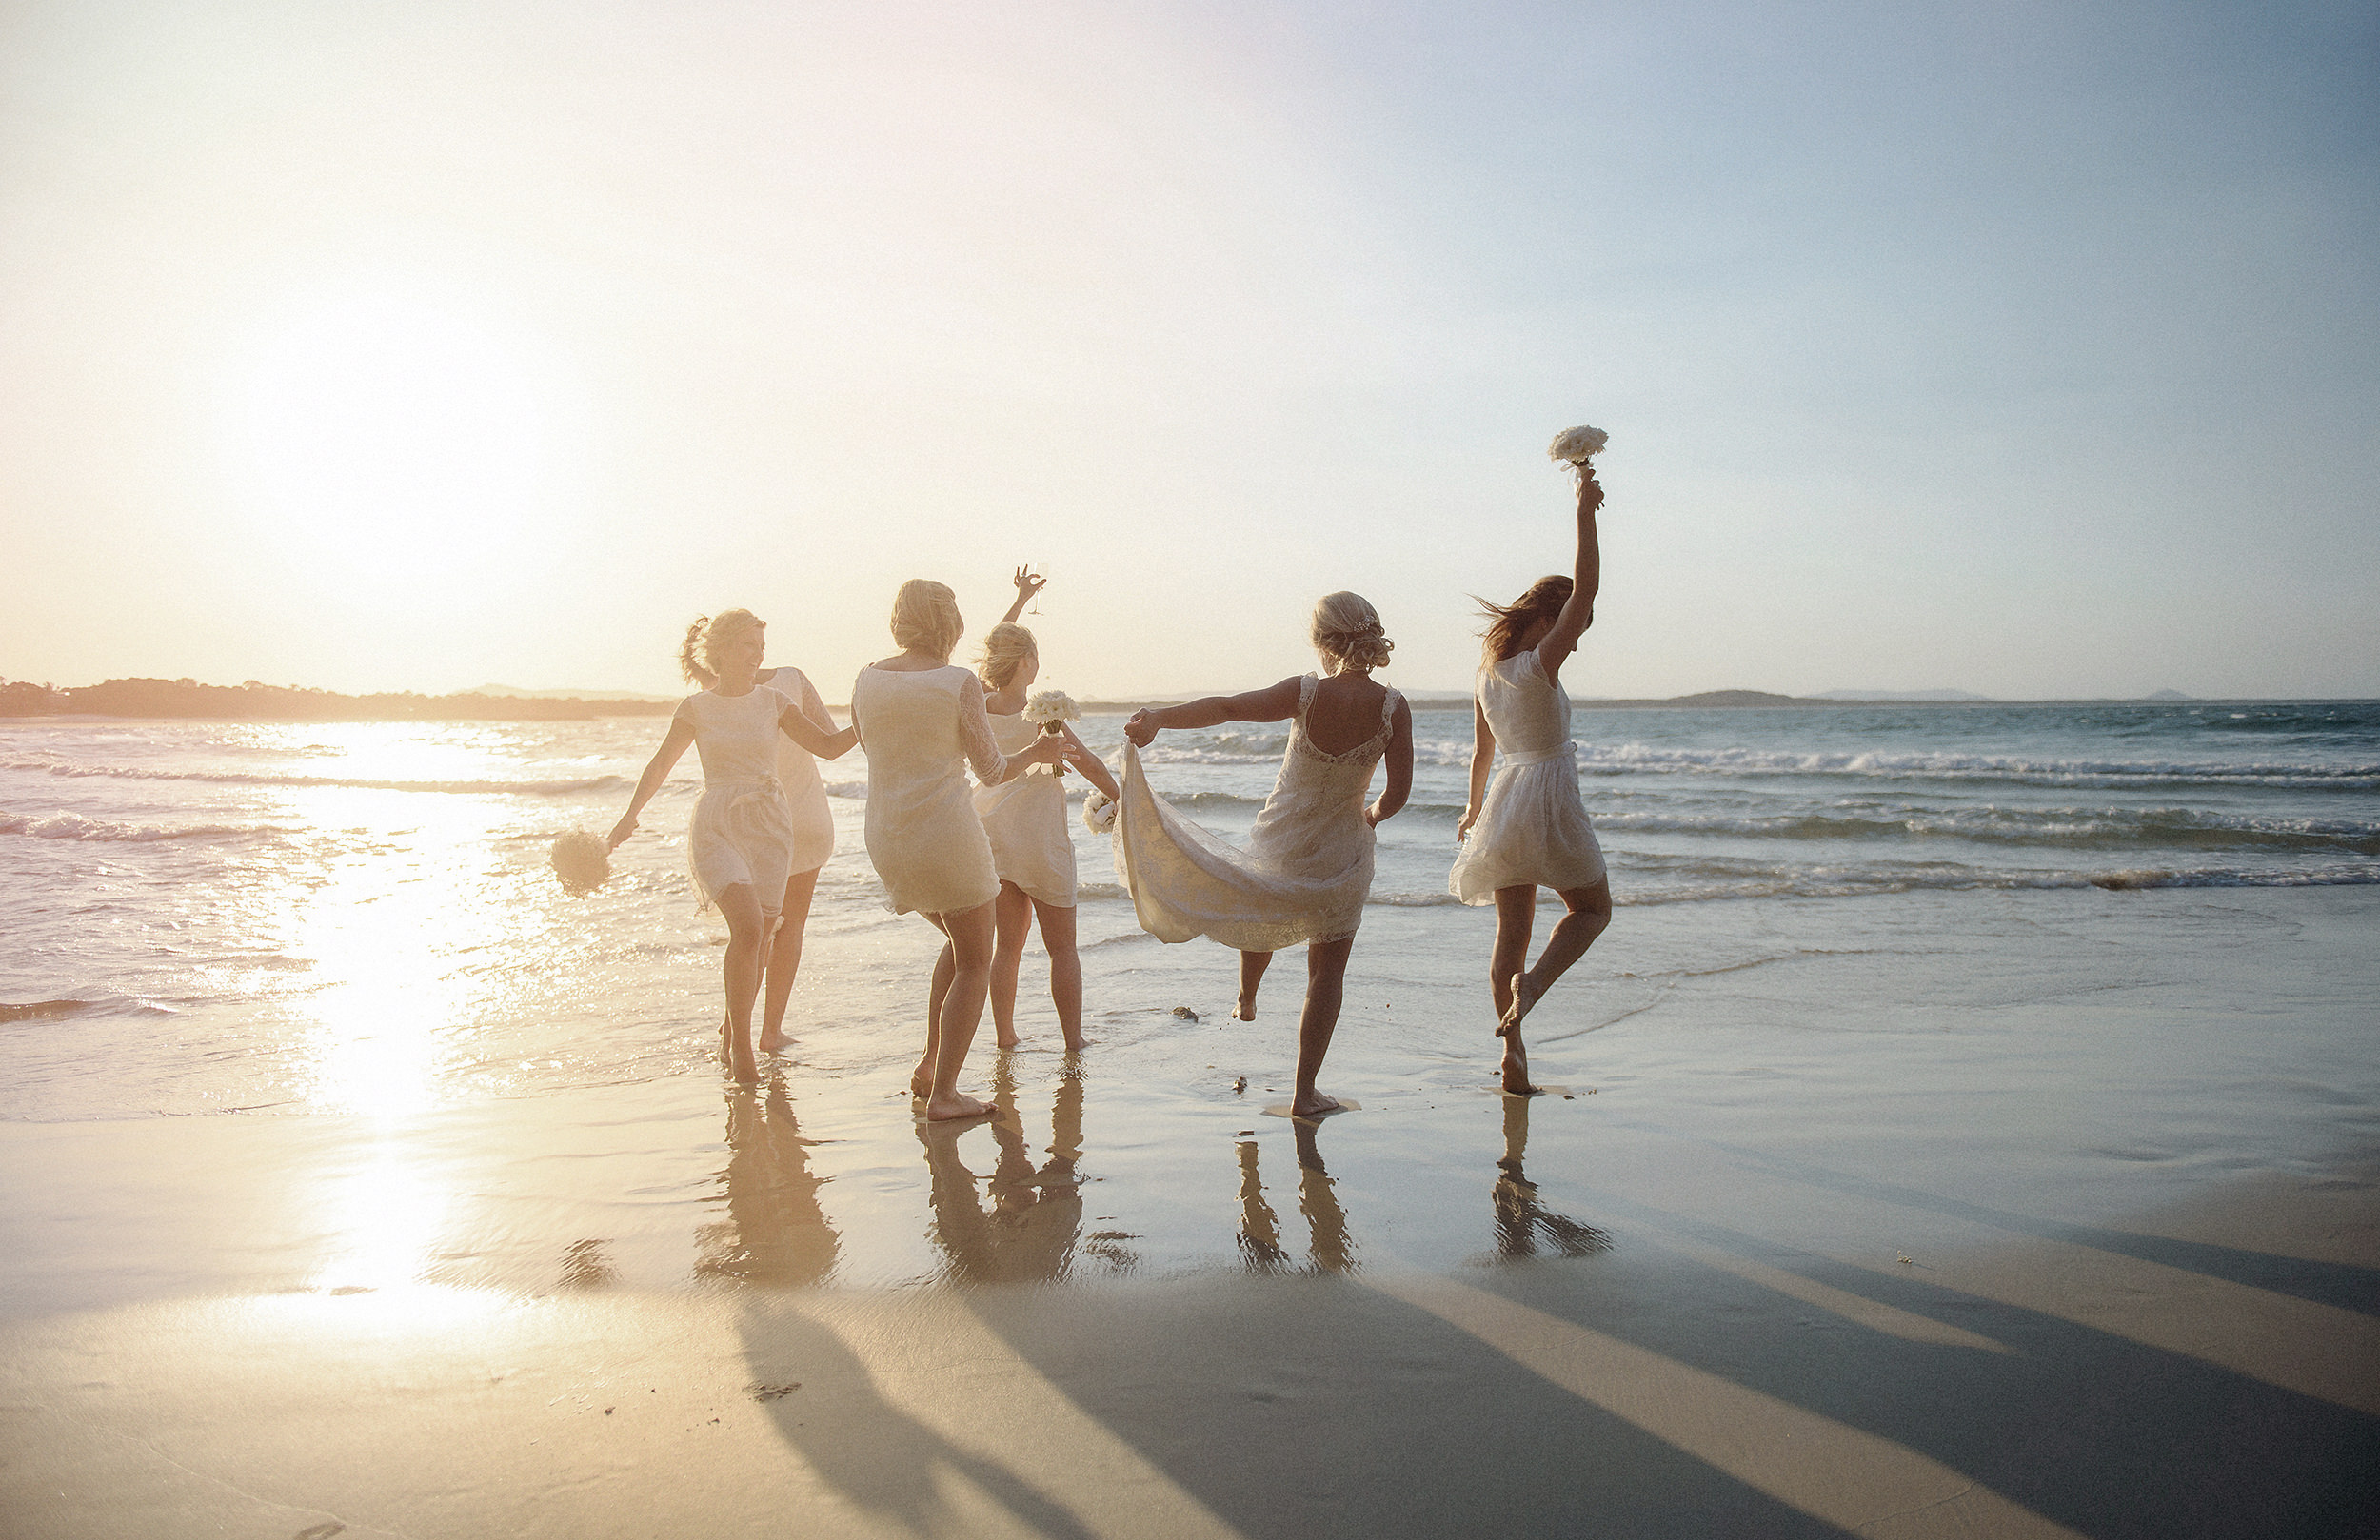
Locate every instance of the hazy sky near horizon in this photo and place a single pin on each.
(2031, 350)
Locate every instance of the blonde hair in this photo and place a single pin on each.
(1508, 623)
(1348, 629)
(925, 618)
(1005, 649)
(698, 655)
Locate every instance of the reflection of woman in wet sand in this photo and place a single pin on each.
(1036, 1216)
(920, 718)
(1328, 1244)
(1519, 1216)
(741, 841)
(775, 1232)
(1307, 866)
(1529, 828)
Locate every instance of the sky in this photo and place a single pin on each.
(2031, 350)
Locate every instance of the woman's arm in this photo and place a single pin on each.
(827, 742)
(1079, 755)
(1482, 759)
(1400, 760)
(1277, 702)
(982, 749)
(673, 744)
(1586, 575)
(1027, 586)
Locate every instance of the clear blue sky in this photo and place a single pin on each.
(2027, 349)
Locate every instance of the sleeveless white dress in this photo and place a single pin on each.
(1307, 867)
(1533, 826)
(797, 772)
(919, 730)
(741, 831)
(1026, 819)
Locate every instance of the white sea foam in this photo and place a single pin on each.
(76, 826)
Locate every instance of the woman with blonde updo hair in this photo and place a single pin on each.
(1025, 820)
(1307, 866)
(742, 843)
(922, 720)
(1529, 828)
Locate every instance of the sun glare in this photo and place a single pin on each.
(395, 431)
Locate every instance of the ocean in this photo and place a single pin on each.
(1818, 909)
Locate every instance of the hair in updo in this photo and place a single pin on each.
(1508, 623)
(925, 618)
(1348, 629)
(1005, 649)
(698, 655)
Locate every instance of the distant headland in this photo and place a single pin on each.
(254, 702)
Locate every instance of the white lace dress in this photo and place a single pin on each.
(920, 731)
(797, 771)
(1025, 820)
(1533, 826)
(1307, 866)
(741, 831)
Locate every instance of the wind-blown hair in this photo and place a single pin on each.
(1508, 623)
(925, 618)
(1348, 629)
(1005, 649)
(698, 655)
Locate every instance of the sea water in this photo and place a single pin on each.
(357, 921)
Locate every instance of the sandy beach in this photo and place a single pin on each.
(2092, 1251)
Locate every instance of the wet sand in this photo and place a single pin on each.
(2083, 1241)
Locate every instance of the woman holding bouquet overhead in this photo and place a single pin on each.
(1528, 827)
(1026, 819)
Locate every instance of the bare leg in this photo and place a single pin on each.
(1588, 912)
(1252, 966)
(922, 1078)
(970, 934)
(1065, 970)
(1326, 985)
(748, 928)
(1515, 917)
(785, 960)
(1012, 921)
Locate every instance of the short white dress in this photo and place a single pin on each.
(797, 771)
(1307, 866)
(742, 831)
(1533, 826)
(920, 731)
(1026, 819)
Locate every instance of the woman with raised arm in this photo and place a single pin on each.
(1026, 819)
(1308, 861)
(920, 719)
(740, 843)
(1528, 828)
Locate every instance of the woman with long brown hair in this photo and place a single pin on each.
(1528, 828)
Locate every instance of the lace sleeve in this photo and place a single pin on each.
(975, 734)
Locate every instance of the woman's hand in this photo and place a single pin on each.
(1463, 830)
(1589, 490)
(1141, 728)
(1372, 815)
(1027, 585)
(621, 831)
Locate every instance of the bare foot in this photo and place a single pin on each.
(943, 1109)
(1313, 1104)
(1076, 1042)
(1516, 1068)
(1007, 1040)
(1524, 999)
(1245, 1009)
(775, 1041)
(921, 1081)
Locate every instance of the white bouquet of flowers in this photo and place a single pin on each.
(583, 861)
(1577, 445)
(1049, 708)
(1099, 812)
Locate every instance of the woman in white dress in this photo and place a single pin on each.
(919, 719)
(740, 843)
(1026, 819)
(1528, 828)
(813, 843)
(1308, 861)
